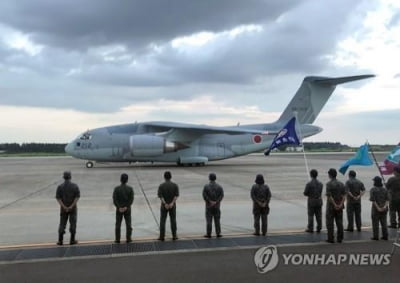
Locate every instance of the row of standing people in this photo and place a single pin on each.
(336, 192)
(68, 195)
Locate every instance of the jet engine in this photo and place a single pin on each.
(148, 145)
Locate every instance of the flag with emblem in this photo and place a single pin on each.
(391, 161)
(285, 136)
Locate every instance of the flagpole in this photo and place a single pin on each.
(376, 162)
(302, 145)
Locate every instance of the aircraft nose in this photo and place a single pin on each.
(69, 148)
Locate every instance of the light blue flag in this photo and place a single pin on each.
(361, 158)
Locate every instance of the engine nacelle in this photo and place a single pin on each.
(147, 145)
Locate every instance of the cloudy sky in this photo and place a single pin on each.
(67, 65)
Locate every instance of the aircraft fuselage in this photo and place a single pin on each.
(108, 145)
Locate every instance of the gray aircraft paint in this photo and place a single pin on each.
(197, 144)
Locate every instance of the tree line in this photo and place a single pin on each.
(325, 146)
(32, 147)
(338, 147)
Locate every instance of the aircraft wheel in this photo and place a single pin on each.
(89, 164)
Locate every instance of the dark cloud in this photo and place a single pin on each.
(293, 44)
(81, 24)
(101, 55)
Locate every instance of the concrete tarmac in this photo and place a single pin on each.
(29, 212)
(348, 262)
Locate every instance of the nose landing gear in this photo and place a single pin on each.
(89, 164)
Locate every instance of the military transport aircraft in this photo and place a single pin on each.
(189, 144)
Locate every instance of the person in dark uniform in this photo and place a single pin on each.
(355, 190)
(168, 192)
(380, 202)
(123, 196)
(313, 191)
(261, 195)
(393, 186)
(392, 215)
(213, 194)
(67, 196)
(335, 193)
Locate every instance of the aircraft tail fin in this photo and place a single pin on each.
(311, 97)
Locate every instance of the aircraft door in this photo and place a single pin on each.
(117, 152)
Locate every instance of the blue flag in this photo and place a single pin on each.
(285, 136)
(361, 158)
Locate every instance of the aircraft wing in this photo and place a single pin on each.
(201, 129)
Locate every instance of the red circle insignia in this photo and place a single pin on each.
(257, 139)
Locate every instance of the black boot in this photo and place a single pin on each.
(60, 239)
(117, 236)
(72, 241)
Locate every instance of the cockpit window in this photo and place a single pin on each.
(86, 136)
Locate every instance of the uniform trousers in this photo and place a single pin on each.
(213, 213)
(163, 218)
(353, 210)
(333, 215)
(128, 222)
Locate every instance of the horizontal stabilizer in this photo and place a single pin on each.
(336, 81)
(312, 95)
